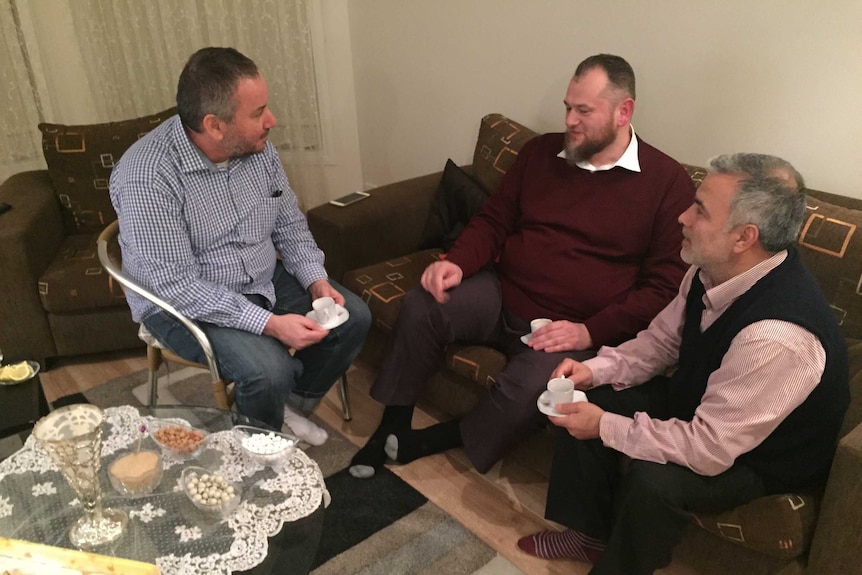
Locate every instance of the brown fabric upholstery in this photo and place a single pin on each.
(80, 160)
(478, 363)
(383, 285)
(831, 247)
(55, 301)
(778, 525)
(500, 140)
(75, 280)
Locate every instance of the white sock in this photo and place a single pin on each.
(303, 428)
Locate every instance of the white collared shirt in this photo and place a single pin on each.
(629, 159)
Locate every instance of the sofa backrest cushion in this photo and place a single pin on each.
(458, 197)
(831, 247)
(500, 140)
(80, 160)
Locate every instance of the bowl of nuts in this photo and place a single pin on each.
(179, 440)
(209, 491)
(265, 447)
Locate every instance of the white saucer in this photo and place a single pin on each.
(545, 407)
(341, 316)
(525, 339)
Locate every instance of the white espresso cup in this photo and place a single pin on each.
(324, 309)
(538, 324)
(562, 390)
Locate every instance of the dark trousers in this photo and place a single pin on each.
(474, 314)
(642, 513)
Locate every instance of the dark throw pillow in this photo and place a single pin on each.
(458, 197)
(80, 160)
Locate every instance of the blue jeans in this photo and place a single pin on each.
(265, 374)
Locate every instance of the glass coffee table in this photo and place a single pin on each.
(275, 529)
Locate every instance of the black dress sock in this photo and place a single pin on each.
(395, 418)
(413, 444)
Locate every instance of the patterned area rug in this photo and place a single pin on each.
(377, 526)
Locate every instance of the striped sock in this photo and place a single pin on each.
(568, 544)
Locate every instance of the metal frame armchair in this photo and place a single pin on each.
(157, 353)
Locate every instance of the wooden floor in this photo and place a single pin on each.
(499, 507)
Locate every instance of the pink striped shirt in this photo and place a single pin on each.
(770, 368)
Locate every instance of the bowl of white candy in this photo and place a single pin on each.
(210, 491)
(265, 447)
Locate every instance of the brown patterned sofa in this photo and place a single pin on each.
(55, 299)
(375, 248)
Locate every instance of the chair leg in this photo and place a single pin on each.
(154, 360)
(345, 398)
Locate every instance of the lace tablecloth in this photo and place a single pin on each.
(165, 528)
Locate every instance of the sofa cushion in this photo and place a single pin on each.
(831, 247)
(80, 159)
(75, 280)
(383, 285)
(500, 140)
(778, 525)
(458, 197)
(478, 363)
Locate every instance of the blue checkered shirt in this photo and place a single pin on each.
(199, 236)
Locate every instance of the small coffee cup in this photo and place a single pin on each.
(538, 324)
(560, 390)
(324, 309)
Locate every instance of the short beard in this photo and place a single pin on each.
(589, 147)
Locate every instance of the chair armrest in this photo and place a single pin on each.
(30, 236)
(837, 545)
(386, 225)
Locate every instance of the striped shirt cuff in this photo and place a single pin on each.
(613, 430)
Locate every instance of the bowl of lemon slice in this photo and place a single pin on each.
(18, 372)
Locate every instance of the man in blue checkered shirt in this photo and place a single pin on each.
(204, 207)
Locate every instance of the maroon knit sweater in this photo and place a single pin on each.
(599, 248)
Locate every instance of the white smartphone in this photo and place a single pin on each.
(349, 199)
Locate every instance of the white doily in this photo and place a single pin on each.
(164, 527)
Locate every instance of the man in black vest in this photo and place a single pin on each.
(756, 398)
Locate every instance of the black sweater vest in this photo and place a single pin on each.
(798, 454)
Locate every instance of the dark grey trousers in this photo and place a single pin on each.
(473, 314)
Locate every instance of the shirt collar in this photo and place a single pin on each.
(719, 298)
(629, 159)
(192, 158)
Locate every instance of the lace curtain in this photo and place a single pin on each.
(20, 110)
(133, 51)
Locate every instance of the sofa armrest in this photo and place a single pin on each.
(837, 545)
(30, 236)
(386, 225)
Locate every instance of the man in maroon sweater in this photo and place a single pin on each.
(583, 230)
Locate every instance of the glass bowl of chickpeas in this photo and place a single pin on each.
(209, 490)
(178, 440)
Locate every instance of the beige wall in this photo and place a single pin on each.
(773, 76)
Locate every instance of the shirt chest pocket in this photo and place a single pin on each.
(257, 224)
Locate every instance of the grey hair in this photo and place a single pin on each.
(770, 195)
